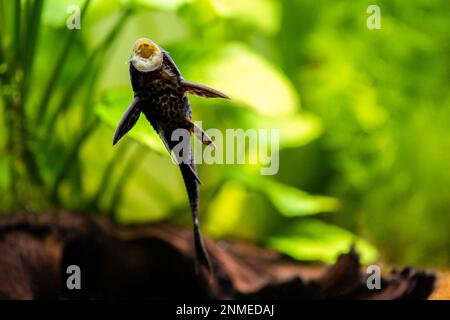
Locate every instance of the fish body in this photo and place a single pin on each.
(160, 93)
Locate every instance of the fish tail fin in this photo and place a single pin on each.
(191, 182)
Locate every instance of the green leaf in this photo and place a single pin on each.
(293, 202)
(55, 11)
(262, 14)
(223, 214)
(248, 79)
(314, 240)
(289, 201)
(165, 5)
(294, 130)
(111, 109)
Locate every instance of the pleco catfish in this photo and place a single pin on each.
(160, 92)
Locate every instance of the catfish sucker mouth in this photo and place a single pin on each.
(146, 56)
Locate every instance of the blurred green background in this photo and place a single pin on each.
(364, 117)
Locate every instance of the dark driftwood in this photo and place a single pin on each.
(157, 261)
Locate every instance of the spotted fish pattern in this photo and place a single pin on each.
(162, 96)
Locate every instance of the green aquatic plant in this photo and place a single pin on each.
(64, 90)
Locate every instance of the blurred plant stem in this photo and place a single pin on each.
(137, 154)
(17, 25)
(24, 170)
(2, 16)
(70, 158)
(77, 82)
(33, 14)
(92, 69)
(105, 181)
(57, 70)
(29, 190)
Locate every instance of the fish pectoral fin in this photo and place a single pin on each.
(202, 90)
(201, 135)
(128, 120)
